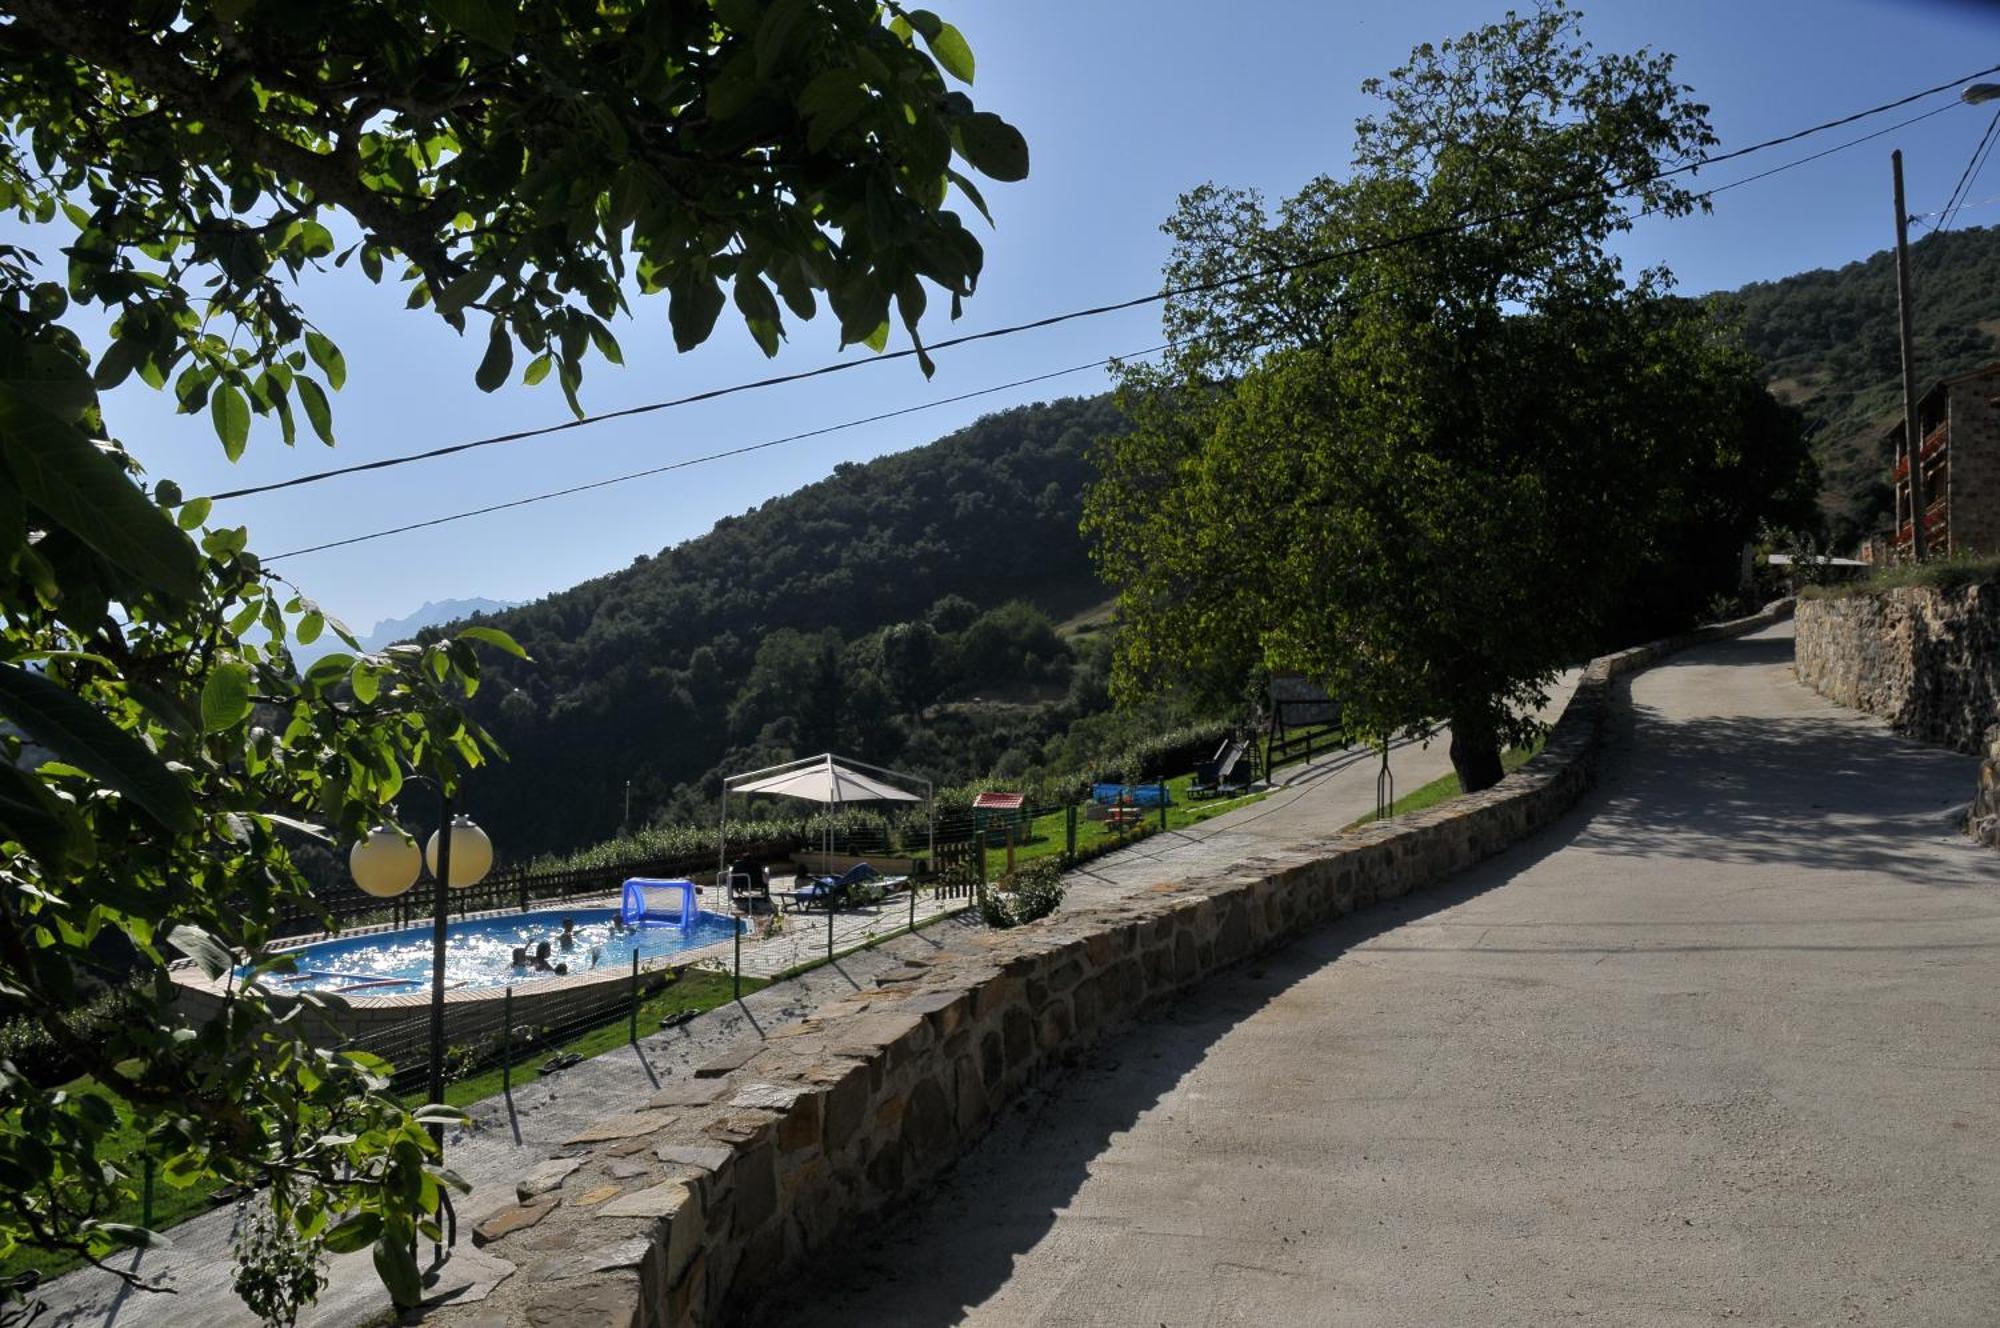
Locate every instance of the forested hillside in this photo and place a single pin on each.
(833, 617)
(1829, 338)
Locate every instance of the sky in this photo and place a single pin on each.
(1125, 105)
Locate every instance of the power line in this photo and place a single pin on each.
(1965, 176)
(1094, 311)
(713, 456)
(1824, 152)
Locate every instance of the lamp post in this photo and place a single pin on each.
(386, 864)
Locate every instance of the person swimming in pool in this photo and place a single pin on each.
(520, 958)
(568, 937)
(542, 964)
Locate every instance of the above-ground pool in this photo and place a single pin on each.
(479, 953)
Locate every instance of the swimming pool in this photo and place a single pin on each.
(479, 952)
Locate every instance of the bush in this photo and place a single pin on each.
(1024, 894)
(28, 1045)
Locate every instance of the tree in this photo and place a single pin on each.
(1421, 456)
(526, 165)
(910, 660)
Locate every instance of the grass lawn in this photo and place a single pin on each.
(1448, 787)
(698, 989)
(1048, 834)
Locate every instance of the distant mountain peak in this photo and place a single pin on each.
(434, 613)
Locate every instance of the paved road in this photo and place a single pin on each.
(1718, 1048)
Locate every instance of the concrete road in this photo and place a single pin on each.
(1719, 1048)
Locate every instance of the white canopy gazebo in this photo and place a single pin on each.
(829, 780)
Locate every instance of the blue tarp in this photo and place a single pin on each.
(1134, 795)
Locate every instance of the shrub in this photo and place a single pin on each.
(1032, 891)
(28, 1045)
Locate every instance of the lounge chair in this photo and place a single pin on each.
(830, 892)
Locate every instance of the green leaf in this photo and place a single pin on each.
(193, 512)
(329, 359)
(694, 302)
(488, 21)
(231, 416)
(357, 1231)
(759, 310)
(538, 369)
(499, 359)
(225, 697)
(949, 46)
(317, 409)
(73, 729)
(210, 954)
(493, 636)
(396, 1265)
(32, 816)
(310, 626)
(328, 670)
(994, 147)
(81, 488)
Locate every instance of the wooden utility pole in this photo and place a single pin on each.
(1913, 441)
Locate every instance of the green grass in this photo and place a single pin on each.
(1448, 787)
(697, 989)
(1047, 835)
(1951, 573)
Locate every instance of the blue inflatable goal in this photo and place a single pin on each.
(652, 903)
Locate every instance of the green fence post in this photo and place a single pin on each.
(1163, 803)
(507, 1042)
(738, 993)
(828, 902)
(912, 884)
(1069, 831)
(146, 1202)
(635, 993)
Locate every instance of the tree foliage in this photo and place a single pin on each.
(1427, 471)
(522, 170)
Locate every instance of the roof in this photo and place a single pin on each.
(1000, 802)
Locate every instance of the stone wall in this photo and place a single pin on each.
(1927, 661)
(1983, 823)
(675, 1213)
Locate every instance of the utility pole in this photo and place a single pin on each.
(1913, 441)
(626, 824)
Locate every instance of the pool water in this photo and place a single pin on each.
(479, 953)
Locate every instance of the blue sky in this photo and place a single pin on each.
(1125, 104)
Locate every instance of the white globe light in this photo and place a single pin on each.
(385, 863)
(471, 853)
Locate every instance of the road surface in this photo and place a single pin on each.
(1720, 1047)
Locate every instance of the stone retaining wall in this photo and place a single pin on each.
(1927, 661)
(676, 1213)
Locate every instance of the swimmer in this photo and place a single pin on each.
(520, 957)
(568, 937)
(542, 964)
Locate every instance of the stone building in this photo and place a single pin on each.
(1959, 419)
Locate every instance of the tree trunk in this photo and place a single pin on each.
(1475, 753)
